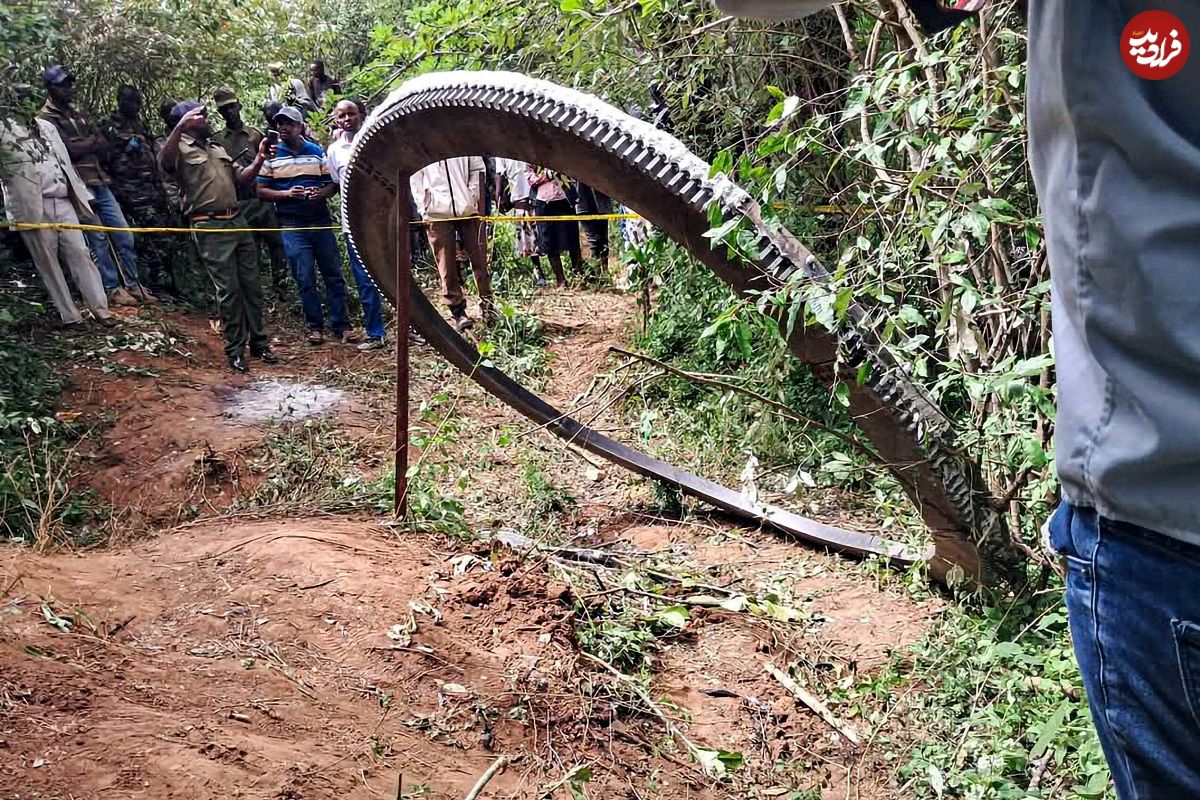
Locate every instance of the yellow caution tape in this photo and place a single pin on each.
(69, 226)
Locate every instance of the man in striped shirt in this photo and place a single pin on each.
(297, 181)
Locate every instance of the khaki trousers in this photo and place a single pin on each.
(474, 238)
(51, 248)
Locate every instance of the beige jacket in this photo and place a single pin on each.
(21, 156)
(449, 189)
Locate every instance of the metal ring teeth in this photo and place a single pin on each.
(613, 132)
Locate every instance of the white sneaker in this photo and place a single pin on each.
(371, 344)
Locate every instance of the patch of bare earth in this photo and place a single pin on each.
(324, 657)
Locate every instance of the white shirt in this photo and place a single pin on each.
(450, 188)
(337, 157)
(517, 173)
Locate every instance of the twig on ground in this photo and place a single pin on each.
(1039, 770)
(568, 776)
(813, 703)
(497, 765)
(672, 729)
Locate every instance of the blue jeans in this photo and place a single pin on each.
(109, 211)
(1133, 597)
(368, 295)
(307, 252)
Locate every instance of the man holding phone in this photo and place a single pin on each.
(297, 180)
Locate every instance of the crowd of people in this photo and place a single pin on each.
(252, 196)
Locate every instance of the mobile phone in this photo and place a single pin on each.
(272, 137)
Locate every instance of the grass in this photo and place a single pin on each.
(38, 449)
(995, 691)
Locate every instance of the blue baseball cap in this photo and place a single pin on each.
(57, 75)
(179, 109)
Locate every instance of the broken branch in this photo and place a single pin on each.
(497, 765)
(813, 703)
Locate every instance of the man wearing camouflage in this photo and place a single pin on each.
(138, 187)
(241, 142)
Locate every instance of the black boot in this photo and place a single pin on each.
(458, 315)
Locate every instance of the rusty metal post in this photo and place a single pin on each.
(400, 237)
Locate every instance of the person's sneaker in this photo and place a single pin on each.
(462, 323)
(144, 294)
(349, 337)
(370, 344)
(120, 297)
(314, 337)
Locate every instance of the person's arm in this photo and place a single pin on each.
(334, 172)
(275, 195)
(328, 188)
(248, 173)
(169, 154)
(80, 146)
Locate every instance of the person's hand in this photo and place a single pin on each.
(264, 148)
(192, 119)
(298, 192)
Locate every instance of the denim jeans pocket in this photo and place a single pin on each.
(1062, 541)
(1187, 650)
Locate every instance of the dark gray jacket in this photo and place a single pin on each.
(1116, 159)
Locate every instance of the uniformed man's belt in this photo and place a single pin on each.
(204, 216)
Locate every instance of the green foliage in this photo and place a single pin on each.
(38, 503)
(544, 497)
(516, 343)
(996, 693)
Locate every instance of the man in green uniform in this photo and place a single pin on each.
(209, 180)
(241, 142)
(139, 189)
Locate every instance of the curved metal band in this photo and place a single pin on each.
(444, 115)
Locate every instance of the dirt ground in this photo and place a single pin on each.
(217, 651)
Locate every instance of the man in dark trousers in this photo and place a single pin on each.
(241, 142)
(138, 187)
(594, 203)
(208, 178)
(296, 179)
